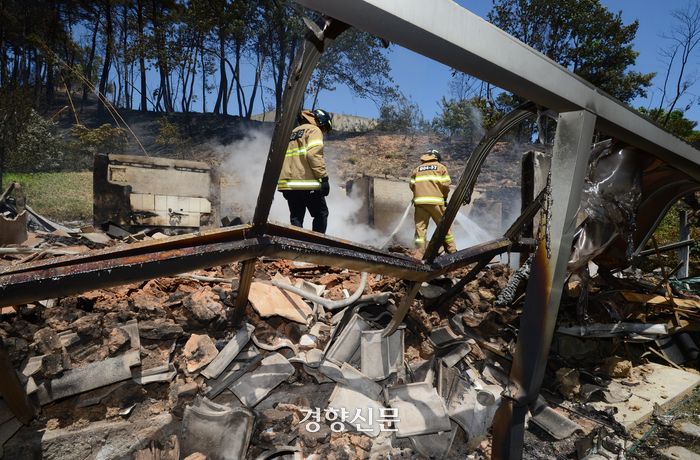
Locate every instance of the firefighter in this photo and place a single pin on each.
(430, 184)
(304, 180)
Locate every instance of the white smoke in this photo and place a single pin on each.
(241, 170)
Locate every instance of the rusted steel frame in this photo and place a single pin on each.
(12, 390)
(462, 194)
(303, 66)
(136, 249)
(50, 281)
(300, 234)
(487, 250)
(572, 144)
(246, 279)
(29, 286)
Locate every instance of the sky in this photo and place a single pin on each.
(425, 81)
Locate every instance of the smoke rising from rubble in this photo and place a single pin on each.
(241, 170)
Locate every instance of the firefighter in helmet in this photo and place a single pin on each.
(304, 180)
(430, 184)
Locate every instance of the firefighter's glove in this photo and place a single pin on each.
(325, 186)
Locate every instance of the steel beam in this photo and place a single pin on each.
(570, 157)
(246, 279)
(444, 31)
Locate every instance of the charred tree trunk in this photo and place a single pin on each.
(91, 59)
(142, 60)
(104, 79)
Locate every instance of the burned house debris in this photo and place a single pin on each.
(316, 347)
(137, 192)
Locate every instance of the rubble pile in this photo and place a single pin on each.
(165, 368)
(165, 365)
(170, 368)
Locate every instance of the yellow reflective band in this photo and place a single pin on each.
(431, 179)
(299, 184)
(449, 238)
(429, 200)
(296, 152)
(316, 143)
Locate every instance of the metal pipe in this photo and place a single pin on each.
(329, 304)
(666, 247)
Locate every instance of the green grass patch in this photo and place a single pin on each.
(60, 196)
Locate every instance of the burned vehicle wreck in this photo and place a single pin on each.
(590, 204)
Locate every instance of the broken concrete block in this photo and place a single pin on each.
(381, 356)
(94, 375)
(186, 389)
(229, 352)
(46, 341)
(420, 408)
(431, 291)
(568, 382)
(118, 338)
(346, 347)
(160, 329)
(616, 367)
(204, 305)
(33, 366)
(88, 325)
(307, 341)
(199, 351)
(254, 386)
(215, 430)
(363, 413)
(269, 301)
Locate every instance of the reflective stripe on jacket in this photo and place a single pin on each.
(304, 166)
(430, 182)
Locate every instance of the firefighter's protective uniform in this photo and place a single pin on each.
(304, 180)
(430, 183)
